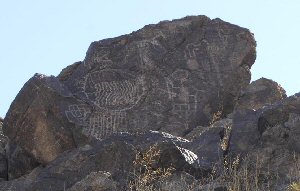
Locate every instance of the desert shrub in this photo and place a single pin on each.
(147, 170)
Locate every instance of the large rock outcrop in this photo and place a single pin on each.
(3, 160)
(259, 93)
(112, 160)
(35, 121)
(168, 107)
(172, 77)
(269, 138)
(19, 162)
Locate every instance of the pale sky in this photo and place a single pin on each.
(46, 36)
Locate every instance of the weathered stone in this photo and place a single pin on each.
(2, 137)
(279, 113)
(245, 132)
(279, 148)
(260, 93)
(19, 161)
(274, 159)
(76, 168)
(173, 77)
(269, 137)
(177, 182)
(16, 185)
(3, 168)
(68, 71)
(22, 183)
(35, 122)
(251, 119)
(127, 95)
(196, 132)
(212, 144)
(213, 186)
(196, 157)
(3, 160)
(76, 165)
(95, 181)
(173, 151)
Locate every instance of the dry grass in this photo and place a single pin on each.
(237, 174)
(294, 186)
(147, 170)
(245, 175)
(294, 175)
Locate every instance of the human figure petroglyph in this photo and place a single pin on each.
(184, 98)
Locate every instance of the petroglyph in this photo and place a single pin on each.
(103, 124)
(111, 92)
(114, 89)
(184, 98)
(78, 114)
(225, 35)
(192, 54)
(101, 58)
(208, 63)
(98, 124)
(214, 49)
(234, 58)
(192, 49)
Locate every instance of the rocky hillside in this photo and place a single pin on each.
(168, 107)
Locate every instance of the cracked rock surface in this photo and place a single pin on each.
(168, 103)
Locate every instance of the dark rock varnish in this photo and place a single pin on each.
(172, 77)
(169, 98)
(3, 161)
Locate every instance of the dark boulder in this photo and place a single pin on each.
(19, 161)
(95, 181)
(3, 159)
(260, 93)
(35, 121)
(113, 160)
(269, 138)
(172, 76)
(177, 182)
(211, 145)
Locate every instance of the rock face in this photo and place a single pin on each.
(250, 125)
(34, 120)
(211, 143)
(271, 136)
(260, 93)
(3, 161)
(168, 107)
(19, 162)
(172, 77)
(108, 164)
(96, 181)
